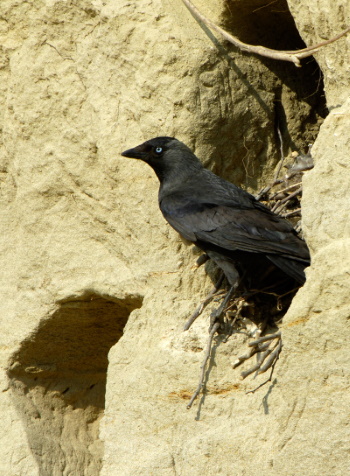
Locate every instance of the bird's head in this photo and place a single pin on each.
(166, 155)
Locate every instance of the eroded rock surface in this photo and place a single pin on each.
(90, 269)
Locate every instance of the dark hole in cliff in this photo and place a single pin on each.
(270, 24)
(58, 382)
(265, 22)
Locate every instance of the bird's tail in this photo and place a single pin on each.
(292, 267)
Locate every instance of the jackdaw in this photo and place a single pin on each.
(240, 234)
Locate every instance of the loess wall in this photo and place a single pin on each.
(96, 371)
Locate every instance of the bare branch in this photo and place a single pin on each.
(273, 357)
(268, 380)
(266, 359)
(287, 189)
(277, 208)
(293, 213)
(251, 370)
(265, 339)
(249, 354)
(292, 56)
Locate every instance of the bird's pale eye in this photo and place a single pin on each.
(158, 150)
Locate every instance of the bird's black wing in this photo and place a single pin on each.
(246, 227)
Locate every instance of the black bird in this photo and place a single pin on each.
(229, 224)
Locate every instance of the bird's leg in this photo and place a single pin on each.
(202, 259)
(204, 303)
(217, 314)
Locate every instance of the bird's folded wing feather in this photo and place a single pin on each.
(252, 227)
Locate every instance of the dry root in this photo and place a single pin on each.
(267, 349)
(230, 317)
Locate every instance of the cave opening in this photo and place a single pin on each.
(58, 381)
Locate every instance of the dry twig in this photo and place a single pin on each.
(292, 56)
(277, 207)
(286, 189)
(293, 213)
(268, 349)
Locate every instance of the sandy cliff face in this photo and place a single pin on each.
(96, 370)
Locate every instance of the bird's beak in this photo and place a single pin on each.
(138, 152)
